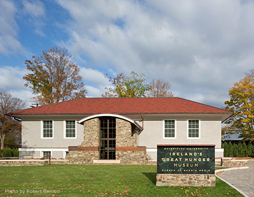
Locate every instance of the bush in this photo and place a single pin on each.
(245, 150)
(7, 152)
(225, 146)
(249, 149)
(235, 150)
(1, 152)
(230, 150)
(15, 152)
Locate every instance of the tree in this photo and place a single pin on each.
(241, 103)
(245, 150)
(160, 88)
(230, 150)
(250, 147)
(7, 124)
(225, 146)
(132, 86)
(54, 77)
(235, 150)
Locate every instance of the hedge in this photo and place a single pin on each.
(7, 152)
(238, 150)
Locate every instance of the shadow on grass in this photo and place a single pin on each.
(151, 176)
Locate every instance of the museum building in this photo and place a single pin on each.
(117, 130)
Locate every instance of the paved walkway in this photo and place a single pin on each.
(241, 179)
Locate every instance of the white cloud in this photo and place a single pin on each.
(11, 79)
(34, 8)
(36, 12)
(201, 48)
(96, 80)
(8, 32)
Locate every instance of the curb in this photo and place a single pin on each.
(229, 169)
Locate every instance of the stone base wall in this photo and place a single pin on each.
(133, 157)
(228, 162)
(193, 180)
(31, 162)
(82, 157)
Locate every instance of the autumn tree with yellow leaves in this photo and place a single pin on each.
(54, 77)
(241, 103)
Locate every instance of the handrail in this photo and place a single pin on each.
(49, 156)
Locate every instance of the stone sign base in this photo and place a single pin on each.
(194, 180)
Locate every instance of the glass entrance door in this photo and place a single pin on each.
(107, 138)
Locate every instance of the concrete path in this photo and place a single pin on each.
(241, 179)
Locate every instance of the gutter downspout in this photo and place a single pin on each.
(142, 121)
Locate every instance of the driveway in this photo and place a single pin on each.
(242, 179)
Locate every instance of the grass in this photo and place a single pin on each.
(96, 180)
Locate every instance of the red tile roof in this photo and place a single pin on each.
(173, 105)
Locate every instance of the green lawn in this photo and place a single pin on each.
(96, 180)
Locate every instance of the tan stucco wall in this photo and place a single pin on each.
(31, 135)
(153, 133)
(149, 137)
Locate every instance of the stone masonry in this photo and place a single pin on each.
(195, 180)
(126, 145)
(133, 157)
(229, 162)
(124, 135)
(91, 133)
(82, 157)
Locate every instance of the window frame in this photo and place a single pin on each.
(42, 153)
(64, 135)
(165, 129)
(199, 129)
(42, 136)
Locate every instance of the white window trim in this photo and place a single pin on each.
(64, 134)
(47, 138)
(199, 129)
(164, 130)
(41, 153)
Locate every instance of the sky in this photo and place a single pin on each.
(200, 47)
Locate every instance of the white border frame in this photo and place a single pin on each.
(53, 130)
(199, 129)
(164, 130)
(112, 115)
(64, 130)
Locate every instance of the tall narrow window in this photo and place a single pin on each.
(107, 138)
(47, 129)
(70, 129)
(169, 129)
(193, 128)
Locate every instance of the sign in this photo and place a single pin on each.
(189, 159)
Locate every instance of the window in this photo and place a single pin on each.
(193, 128)
(70, 129)
(107, 138)
(46, 153)
(169, 129)
(47, 129)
